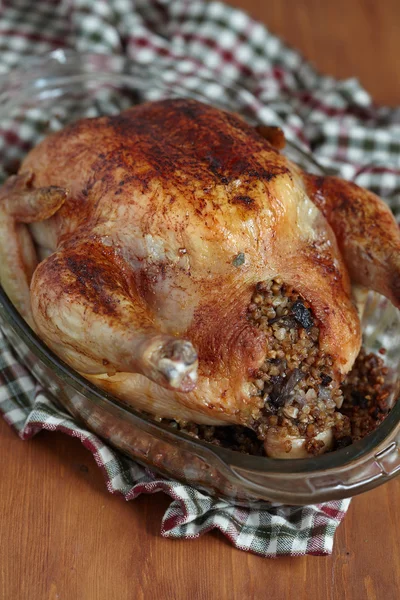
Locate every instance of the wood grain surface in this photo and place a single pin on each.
(344, 38)
(64, 537)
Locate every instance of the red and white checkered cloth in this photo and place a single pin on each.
(204, 47)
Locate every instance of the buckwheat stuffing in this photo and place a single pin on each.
(301, 393)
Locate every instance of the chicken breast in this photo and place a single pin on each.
(161, 228)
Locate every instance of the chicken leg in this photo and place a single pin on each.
(88, 311)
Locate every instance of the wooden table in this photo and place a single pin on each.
(63, 536)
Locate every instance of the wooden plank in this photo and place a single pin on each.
(63, 536)
(344, 38)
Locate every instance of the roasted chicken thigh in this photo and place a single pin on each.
(138, 247)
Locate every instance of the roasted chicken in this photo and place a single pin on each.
(138, 247)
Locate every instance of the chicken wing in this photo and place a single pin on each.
(366, 232)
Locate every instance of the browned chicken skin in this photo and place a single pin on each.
(366, 232)
(160, 224)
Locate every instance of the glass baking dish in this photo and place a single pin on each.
(41, 98)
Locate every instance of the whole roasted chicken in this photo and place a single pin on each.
(177, 259)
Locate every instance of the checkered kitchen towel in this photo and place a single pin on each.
(207, 48)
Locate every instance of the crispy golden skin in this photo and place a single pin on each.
(175, 211)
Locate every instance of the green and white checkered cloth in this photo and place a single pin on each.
(205, 47)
